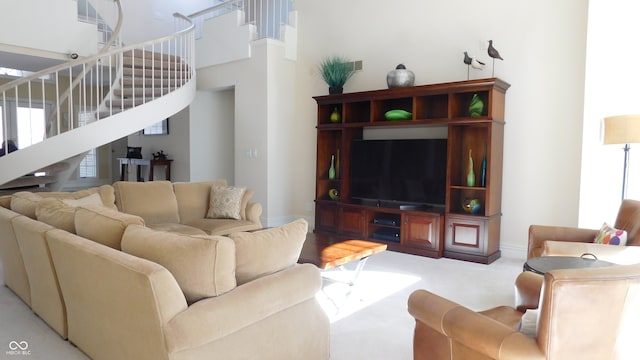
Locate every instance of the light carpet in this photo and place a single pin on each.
(369, 321)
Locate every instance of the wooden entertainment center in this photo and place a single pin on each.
(447, 231)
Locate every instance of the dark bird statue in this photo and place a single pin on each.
(467, 58)
(493, 52)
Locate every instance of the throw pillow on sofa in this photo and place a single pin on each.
(103, 225)
(203, 266)
(225, 202)
(60, 213)
(267, 251)
(57, 214)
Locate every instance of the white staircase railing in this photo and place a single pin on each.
(107, 83)
(266, 15)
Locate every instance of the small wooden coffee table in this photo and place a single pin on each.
(328, 251)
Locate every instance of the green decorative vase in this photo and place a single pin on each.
(332, 169)
(476, 106)
(471, 176)
(335, 116)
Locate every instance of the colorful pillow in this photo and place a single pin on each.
(610, 236)
(225, 202)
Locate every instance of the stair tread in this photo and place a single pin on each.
(28, 181)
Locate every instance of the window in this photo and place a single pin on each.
(89, 165)
(31, 129)
(159, 128)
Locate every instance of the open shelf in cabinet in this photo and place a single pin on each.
(460, 103)
(432, 107)
(380, 107)
(357, 112)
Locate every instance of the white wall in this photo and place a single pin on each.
(543, 43)
(45, 28)
(611, 88)
(212, 136)
(175, 145)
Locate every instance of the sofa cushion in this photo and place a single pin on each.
(103, 225)
(25, 202)
(611, 236)
(57, 214)
(5, 201)
(154, 201)
(223, 226)
(202, 265)
(225, 202)
(267, 251)
(193, 198)
(177, 228)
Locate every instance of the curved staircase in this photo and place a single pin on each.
(128, 88)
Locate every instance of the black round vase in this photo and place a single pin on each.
(335, 90)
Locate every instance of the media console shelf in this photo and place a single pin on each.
(449, 231)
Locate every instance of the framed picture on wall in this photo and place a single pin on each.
(159, 128)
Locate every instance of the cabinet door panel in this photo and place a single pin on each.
(465, 235)
(326, 218)
(352, 222)
(421, 231)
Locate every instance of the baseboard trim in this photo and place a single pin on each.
(514, 251)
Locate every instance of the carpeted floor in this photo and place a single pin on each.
(369, 321)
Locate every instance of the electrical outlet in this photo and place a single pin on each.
(357, 65)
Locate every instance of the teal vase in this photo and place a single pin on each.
(483, 168)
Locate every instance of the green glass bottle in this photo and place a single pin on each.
(332, 169)
(471, 176)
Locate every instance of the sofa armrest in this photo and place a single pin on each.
(528, 287)
(253, 211)
(462, 329)
(214, 318)
(623, 255)
(538, 234)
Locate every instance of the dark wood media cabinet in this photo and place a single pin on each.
(435, 232)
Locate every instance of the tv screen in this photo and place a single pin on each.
(402, 171)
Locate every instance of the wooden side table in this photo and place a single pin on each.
(161, 162)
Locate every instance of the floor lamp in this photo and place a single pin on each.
(622, 129)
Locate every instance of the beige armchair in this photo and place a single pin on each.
(568, 241)
(583, 314)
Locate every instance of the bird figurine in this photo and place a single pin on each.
(494, 54)
(477, 64)
(472, 62)
(467, 58)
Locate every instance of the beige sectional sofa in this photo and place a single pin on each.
(145, 285)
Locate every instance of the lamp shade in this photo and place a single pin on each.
(621, 129)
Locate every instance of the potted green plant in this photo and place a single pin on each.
(335, 71)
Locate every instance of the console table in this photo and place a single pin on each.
(138, 163)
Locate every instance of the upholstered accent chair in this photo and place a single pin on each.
(570, 241)
(582, 314)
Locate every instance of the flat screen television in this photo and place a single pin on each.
(397, 172)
